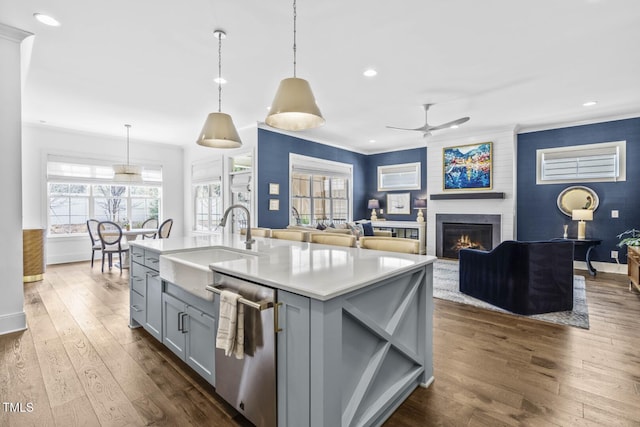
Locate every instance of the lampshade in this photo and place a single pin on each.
(219, 132)
(127, 173)
(419, 203)
(582, 215)
(294, 106)
(373, 204)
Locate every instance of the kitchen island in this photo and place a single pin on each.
(354, 326)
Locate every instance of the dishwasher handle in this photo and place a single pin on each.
(258, 305)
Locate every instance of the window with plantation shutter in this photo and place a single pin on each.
(600, 162)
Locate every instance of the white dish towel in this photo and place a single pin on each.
(230, 336)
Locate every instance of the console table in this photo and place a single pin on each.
(407, 225)
(590, 244)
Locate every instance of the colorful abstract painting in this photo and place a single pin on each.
(467, 167)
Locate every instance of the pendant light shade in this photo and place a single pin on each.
(218, 130)
(127, 173)
(294, 106)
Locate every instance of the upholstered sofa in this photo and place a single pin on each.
(522, 277)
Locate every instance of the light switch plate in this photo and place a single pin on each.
(614, 214)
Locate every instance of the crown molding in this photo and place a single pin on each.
(12, 33)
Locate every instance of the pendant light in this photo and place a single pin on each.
(294, 107)
(128, 172)
(218, 130)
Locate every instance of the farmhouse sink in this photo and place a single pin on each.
(190, 270)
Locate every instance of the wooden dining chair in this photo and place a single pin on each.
(165, 229)
(150, 223)
(96, 245)
(112, 242)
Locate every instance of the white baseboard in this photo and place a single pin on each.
(604, 267)
(13, 322)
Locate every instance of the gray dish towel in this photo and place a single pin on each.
(230, 336)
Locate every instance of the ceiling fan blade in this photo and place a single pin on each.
(421, 128)
(449, 124)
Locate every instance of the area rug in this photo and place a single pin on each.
(445, 286)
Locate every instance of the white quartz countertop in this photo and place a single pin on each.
(314, 270)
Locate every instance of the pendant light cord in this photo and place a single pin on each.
(127, 126)
(295, 15)
(220, 73)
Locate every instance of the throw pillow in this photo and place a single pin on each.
(368, 228)
(321, 226)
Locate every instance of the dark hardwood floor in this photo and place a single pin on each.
(79, 364)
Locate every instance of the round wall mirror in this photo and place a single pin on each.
(577, 197)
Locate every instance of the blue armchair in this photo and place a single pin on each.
(522, 277)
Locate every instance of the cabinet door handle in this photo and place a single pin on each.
(135, 308)
(276, 317)
(184, 331)
(153, 275)
(180, 325)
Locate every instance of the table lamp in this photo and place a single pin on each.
(419, 204)
(373, 205)
(582, 215)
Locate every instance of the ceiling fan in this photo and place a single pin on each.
(426, 129)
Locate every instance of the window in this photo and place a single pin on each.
(208, 206)
(405, 176)
(320, 191)
(582, 163)
(79, 189)
(206, 179)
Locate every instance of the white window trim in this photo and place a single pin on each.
(412, 170)
(576, 151)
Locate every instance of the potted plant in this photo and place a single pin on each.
(629, 238)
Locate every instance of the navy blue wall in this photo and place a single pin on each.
(537, 214)
(392, 158)
(273, 167)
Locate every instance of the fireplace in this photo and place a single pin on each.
(459, 231)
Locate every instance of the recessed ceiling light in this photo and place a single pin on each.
(370, 72)
(454, 127)
(372, 141)
(589, 104)
(220, 80)
(46, 19)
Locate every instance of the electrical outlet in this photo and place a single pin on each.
(614, 254)
(614, 214)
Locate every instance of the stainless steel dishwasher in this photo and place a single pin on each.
(249, 384)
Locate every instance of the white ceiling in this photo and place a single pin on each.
(504, 63)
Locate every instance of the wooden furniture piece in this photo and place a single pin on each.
(33, 265)
(421, 227)
(633, 266)
(150, 223)
(110, 235)
(165, 229)
(92, 229)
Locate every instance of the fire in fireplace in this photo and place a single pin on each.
(458, 236)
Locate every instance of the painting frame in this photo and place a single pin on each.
(467, 167)
(398, 203)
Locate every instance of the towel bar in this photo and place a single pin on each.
(258, 305)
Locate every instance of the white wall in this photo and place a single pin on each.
(12, 316)
(504, 180)
(40, 140)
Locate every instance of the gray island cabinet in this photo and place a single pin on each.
(353, 326)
